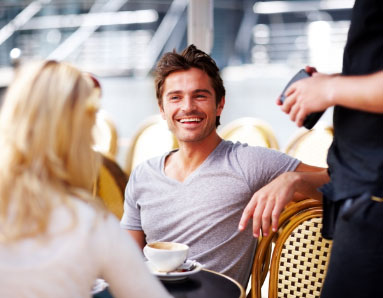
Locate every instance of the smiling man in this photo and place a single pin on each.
(196, 195)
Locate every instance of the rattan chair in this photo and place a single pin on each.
(151, 139)
(110, 186)
(105, 135)
(300, 255)
(252, 131)
(311, 146)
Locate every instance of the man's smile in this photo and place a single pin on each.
(190, 120)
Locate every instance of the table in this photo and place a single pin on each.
(204, 284)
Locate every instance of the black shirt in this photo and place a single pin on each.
(355, 157)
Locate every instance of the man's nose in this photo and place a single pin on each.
(188, 104)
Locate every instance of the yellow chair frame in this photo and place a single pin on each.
(147, 124)
(250, 125)
(110, 186)
(105, 135)
(305, 213)
(316, 154)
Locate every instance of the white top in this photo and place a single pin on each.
(67, 263)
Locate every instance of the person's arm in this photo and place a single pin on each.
(321, 91)
(131, 218)
(122, 263)
(267, 203)
(139, 237)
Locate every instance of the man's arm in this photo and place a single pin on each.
(139, 237)
(321, 91)
(267, 203)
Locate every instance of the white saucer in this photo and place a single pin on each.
(98, 286)
(177, 274)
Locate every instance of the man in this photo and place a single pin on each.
(353, 201)
(196, 194)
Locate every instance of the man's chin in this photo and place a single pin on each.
(190, 138)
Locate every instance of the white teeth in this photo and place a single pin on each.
(190, 120)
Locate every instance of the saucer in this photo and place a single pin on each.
(98, 286)
(177, 274)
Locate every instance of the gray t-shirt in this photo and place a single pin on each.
(204, 210)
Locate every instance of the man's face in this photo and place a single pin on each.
(188, 105)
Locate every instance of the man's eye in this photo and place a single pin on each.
(174, 97)
(201, 96)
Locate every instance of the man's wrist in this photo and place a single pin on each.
(294, 179)
(333, 85)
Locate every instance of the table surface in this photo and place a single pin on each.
(204, 284)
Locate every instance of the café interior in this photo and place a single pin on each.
(257, 45)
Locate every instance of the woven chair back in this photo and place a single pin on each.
(110, 186)
(299, 254)
(105, 135)
(252, 131)
(300, 258)
(311, 146)
(152, 138)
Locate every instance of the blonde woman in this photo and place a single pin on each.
(54, 240)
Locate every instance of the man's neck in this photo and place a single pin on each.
(189, 157)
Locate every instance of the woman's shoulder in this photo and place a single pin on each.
(79, 215)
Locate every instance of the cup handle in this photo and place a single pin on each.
(145, 251)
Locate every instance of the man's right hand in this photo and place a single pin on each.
(267, 204)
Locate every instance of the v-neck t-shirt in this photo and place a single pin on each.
(204, 210)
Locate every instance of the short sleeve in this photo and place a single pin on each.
(131, 219)
(261, 165)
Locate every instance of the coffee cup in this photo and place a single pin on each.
(166, 256)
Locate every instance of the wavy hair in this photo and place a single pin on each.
(190, 57)
(46, 125)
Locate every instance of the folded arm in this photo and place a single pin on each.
(267, 203)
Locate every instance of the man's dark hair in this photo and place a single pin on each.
(191, 57)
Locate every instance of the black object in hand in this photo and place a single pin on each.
(313, 118)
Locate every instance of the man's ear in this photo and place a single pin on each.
(220, 106)
(162, 112)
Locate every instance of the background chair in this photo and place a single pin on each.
(110, 186)
(299, 258)
(153, 138)
(252, 131)
(311, 146)
(105, 135)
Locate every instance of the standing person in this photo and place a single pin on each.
(353, 200)
(54, 240)
(196, 194)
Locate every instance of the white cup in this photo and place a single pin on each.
(166, 256)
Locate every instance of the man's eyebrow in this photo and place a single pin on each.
(173, 92)
(194, 91)
(203, 91)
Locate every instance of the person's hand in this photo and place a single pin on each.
(310, 70)
(267, 204)
(308, 95)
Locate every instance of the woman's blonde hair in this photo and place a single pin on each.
(46, 125)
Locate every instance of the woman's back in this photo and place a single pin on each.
(54, 241)
(68, 261)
